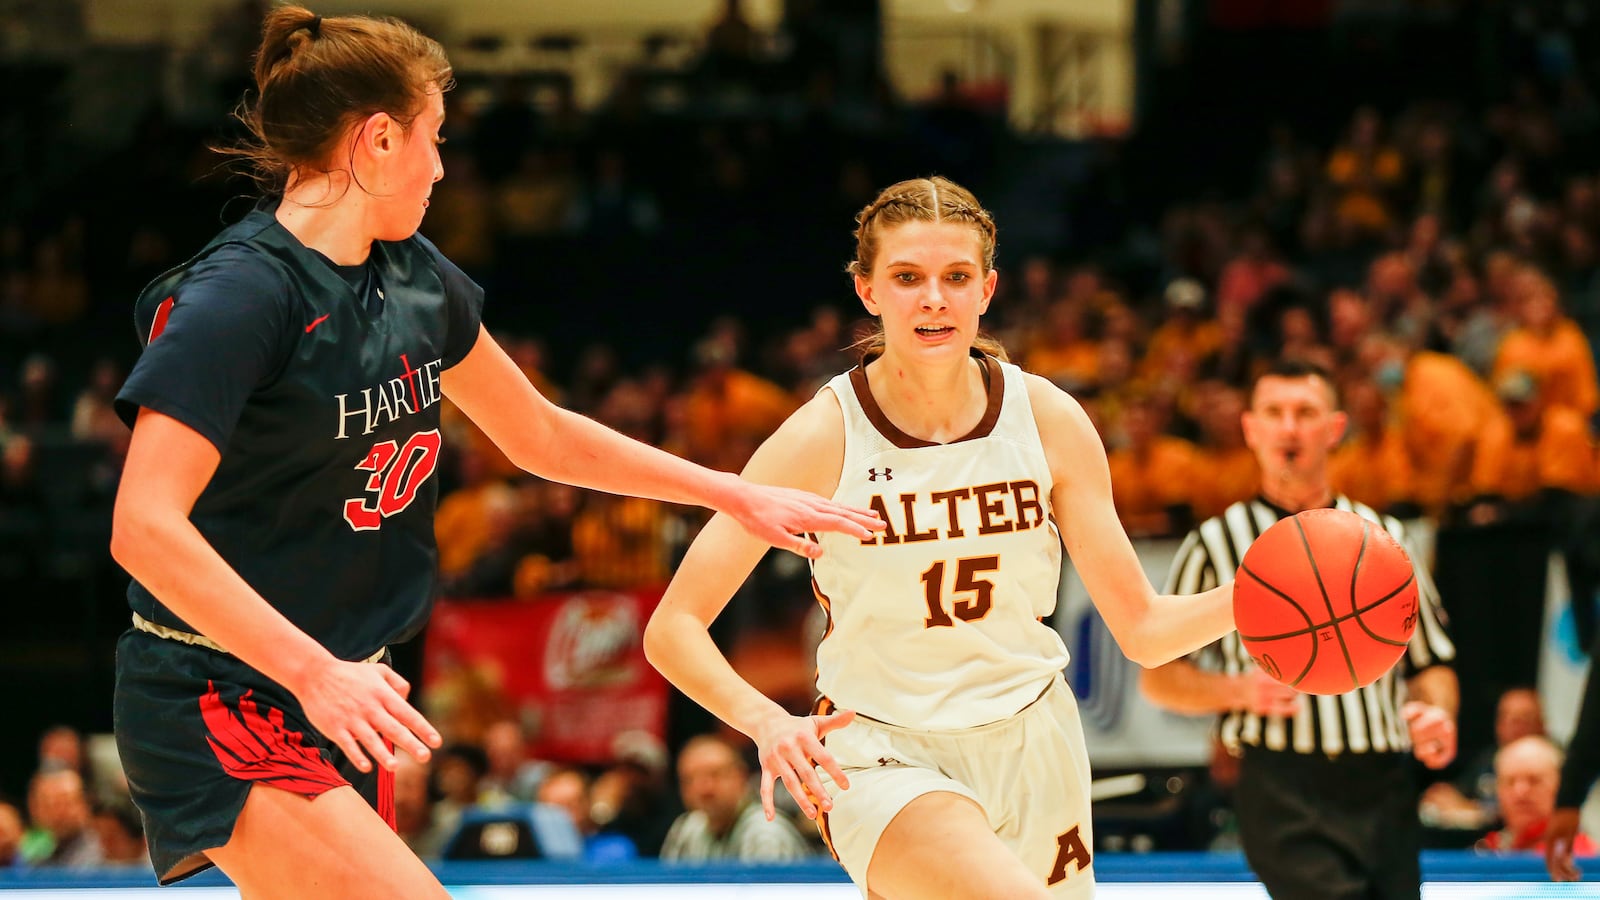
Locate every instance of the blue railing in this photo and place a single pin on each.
(1110, 868)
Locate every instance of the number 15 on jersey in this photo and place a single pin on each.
(979, 591)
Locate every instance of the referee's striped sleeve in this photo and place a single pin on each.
(1430, 643)
(1190, 568)
(1192, 572)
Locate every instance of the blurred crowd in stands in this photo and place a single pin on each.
(1442, 258)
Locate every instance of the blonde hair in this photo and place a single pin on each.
(936, 199)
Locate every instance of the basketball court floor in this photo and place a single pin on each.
(680, 891)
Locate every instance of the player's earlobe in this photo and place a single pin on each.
(990, 280)
(378, 139)
(864, 291)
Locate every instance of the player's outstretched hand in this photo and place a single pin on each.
(781, 516)
(1558, 838)
(360, 706)
(1433, 733)
(1264, 695)
(790, 749)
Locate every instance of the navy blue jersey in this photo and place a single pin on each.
(321, 393)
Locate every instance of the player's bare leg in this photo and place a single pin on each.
(334, 845)
(941, 845)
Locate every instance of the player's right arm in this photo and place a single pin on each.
(806, 452)
(355, 705)
(1150, 628)
(561, 445)
(1578, 773)
(1184, 687)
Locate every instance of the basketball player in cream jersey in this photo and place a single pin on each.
(954, 763)
(968, 522)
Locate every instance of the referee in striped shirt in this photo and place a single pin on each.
(1326, 799)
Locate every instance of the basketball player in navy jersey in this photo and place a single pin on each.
(954, 763)
(276, 511)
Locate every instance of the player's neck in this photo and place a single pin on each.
(934, 403)
(1295, 495)
(329, 219)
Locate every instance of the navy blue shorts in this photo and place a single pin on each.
(196, 729)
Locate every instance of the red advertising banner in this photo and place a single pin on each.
(570, 664)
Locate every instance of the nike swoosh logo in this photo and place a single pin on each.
(317, 321)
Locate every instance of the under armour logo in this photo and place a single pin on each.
(873, 474)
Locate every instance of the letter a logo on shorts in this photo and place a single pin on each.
(874, 474)
(1069, 850)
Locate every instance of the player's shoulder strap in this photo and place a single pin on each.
(155, 300)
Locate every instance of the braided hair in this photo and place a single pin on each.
(936, 199)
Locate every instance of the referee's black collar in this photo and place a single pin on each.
(1333, 503)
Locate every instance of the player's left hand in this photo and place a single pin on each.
(1433, 733)
(790, 749)
(782, 516)
(1558, 840)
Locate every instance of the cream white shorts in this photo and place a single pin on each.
(1028, 773)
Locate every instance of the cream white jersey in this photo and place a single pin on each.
(934, 623)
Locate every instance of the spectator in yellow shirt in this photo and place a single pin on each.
(1548, 346)
(1152, 474)
(622, 542)
(728, 411)
(1371, 465)
(1540, 447)
(1446, 414)
(1186, 332)
(1063, 352)
(461, 525)
(1226, 470)
(1364, 173)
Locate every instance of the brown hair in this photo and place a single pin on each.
(936, 199)
(317, 77)
(1295, 368)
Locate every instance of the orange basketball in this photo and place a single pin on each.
(1325, 601)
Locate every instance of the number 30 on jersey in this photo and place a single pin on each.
(397, 473)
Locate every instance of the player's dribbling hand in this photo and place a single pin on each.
(791, 749)
(361, 706)
(1433, 733)
(781, 516)
(1266, 696)
(1558, 838)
